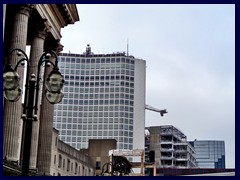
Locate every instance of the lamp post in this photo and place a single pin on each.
(12, 92)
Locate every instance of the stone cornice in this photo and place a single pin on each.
(58, 16)
(72, 13)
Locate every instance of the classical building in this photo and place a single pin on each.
(68, 161)
(168, 147)
(65, 161)
(209, 154)
(39, 26)
(104, 98)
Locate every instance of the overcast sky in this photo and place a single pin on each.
(190, 57)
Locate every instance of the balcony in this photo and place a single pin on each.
(183, 158)
(180, 150)
(166, 149)
(166, 142)
(167, 166)
(167, 158)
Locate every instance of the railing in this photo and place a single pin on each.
(166, 142)
(167, 157)
(181, 158)
(180, 150)
(166, 149)
(13, 169)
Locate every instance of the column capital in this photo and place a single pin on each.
(25, 9)
(54, 45)
(42, 29)
(59, 47)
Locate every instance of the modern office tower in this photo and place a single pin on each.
(104, 98)
(170, 148)
(209, 154)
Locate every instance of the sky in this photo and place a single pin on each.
(190, 58)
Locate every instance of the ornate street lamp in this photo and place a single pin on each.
(54, 84)
(12, 92)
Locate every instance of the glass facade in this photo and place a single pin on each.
(209, 154)
(98, 100)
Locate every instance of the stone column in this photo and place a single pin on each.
(36, 51)
(46, 127)
(12, 132)
(4, 16)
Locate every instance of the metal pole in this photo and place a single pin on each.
(142, 163)
(112, 164)
(28, 129)
(154, 169)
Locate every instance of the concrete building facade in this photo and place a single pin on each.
(170, 147)
(104, 98)
(98, 153)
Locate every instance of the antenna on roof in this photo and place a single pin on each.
(127, 46)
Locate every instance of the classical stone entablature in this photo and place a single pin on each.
(53, 16)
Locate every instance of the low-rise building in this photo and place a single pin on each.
(170, 147)
(98, 152)
(65, 161)
(68, 161)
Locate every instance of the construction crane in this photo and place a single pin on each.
(162, 112)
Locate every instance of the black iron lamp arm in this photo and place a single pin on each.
(40, 62)
(25, 58)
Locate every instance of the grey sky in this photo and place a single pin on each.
(190, 56)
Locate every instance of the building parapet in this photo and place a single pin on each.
(118, 54)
